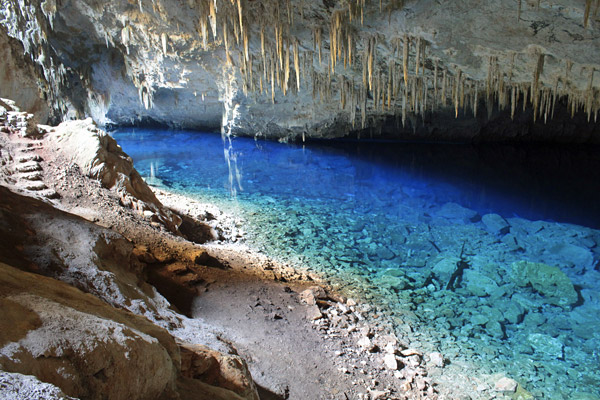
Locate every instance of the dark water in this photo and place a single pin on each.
(389, 219)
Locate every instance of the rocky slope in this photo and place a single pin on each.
(287, 69)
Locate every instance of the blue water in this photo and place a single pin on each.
(388, 222)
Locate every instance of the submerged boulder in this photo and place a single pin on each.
(549, 281)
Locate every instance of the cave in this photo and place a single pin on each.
(277, 199)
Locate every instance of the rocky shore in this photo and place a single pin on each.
(113, 296)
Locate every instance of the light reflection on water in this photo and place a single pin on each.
(393, 218)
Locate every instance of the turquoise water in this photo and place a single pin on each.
(392, 223)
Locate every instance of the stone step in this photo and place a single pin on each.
(33, 186)
(30, 166)
(49, 194)
(29, 157)
(31, 176)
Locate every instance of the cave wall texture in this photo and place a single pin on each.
(416, 69)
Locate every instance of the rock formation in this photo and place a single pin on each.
(475, 70)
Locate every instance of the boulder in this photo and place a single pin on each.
(549, 281)
(444, 269)
(546, 346)
(479, 284)
(578, 257)
(216, 369)
(456, 212)
(495, 224)
(79, 343)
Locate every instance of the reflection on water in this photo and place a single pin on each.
(393, 221)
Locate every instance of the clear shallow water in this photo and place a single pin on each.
(390, 221)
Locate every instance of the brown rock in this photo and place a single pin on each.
(79, 343)
(217, 369)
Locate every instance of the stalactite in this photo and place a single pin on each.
(286, 70)
(513, 102)
(418, 56)
(405, 59)
(519, 11)
(444, 82)
(589, 95)
(535, 95)
(456, 92)
(163, 39)
(586, 14)
(318, 32)
(297, 64)
(213, 17)
(435, 84)
(476, 100)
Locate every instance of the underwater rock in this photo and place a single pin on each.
(479, 284)
(436, 359)
(505, 384)
(546, 345)
(514, 312)
(547, 280)
(444, 269)
(511, 241)
(456, 212)
(578, 257)
(495, 224)
(494, 329)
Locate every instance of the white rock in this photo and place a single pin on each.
(436, 359)
(365, 342)
(505, 384)
(390, 362)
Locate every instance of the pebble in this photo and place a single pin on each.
(390, 362)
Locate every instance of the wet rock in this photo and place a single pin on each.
(546, 345)
(578, 257)
(494, 329)
(514, 313)
(453, 211)
(505, 384)
(479, 284)
(383, 253)
(479, 319)
(444, 269)
(549, 281)
(511, 241)
(495, 224)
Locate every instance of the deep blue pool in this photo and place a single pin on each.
(390, 220)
